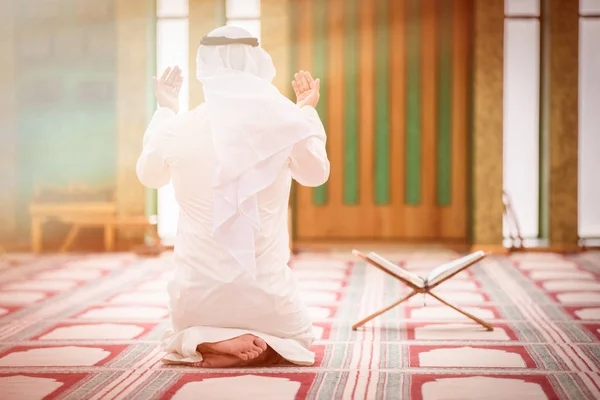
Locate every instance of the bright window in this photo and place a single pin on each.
(244, 14)
(172, 49)
(521, 170)
(589, 119)
(172, 40)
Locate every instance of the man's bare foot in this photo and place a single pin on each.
(246, 347)
(219, 361)
(211, 360)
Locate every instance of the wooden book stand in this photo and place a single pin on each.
(416, 289)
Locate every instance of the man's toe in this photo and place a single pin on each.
(260, 343)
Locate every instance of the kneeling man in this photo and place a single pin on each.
(233, 299)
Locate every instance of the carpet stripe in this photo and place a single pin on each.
(533, 310)
(133, 381)
(109, 390)
(551, 326)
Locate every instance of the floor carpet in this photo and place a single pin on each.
(89, 326)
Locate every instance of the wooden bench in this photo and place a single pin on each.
(41, 213)
(82, 206)
(111, 225)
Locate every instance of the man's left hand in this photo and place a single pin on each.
(167, 88)
(306, 88)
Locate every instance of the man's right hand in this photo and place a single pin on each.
(306, 89)
(167, 88)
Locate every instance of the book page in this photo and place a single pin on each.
(396, 270)
(440, 273)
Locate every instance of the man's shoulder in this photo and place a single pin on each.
(190, 125)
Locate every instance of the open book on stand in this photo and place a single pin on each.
(435, 277)
(421, 284)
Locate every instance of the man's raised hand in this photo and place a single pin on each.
(167, 88)
(306, 89)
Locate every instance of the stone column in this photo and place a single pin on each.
(276, 39)
(136, 47)
(563, 20)
(488, 68)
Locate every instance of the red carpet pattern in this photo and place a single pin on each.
(89, 327)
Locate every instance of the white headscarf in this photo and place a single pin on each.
(254, 128)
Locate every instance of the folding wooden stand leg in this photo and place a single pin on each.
(466, 314)
(378, 313)
(413, 293)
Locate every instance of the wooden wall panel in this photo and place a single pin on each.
(392, 216)
(364, 78)
(454, 222)
(337, 223)
(422, 219)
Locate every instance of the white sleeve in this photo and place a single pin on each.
(152, 169)
(309, 163)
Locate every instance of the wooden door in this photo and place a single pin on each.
(395, 102)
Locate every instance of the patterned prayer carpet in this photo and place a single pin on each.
(89, 326)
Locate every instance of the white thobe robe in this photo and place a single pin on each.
(211, 297)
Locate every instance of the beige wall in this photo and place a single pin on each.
(8, 125)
